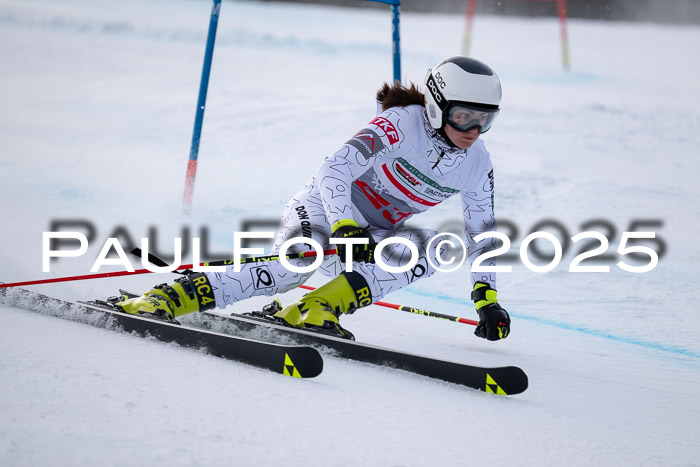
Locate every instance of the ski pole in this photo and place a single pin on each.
(158, 262)
(75, 278)
(413, 310)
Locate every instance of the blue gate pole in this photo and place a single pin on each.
(396, 41)
(201, 101)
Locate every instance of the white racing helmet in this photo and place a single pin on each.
(460, 85)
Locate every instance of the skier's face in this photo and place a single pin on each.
(462, 139)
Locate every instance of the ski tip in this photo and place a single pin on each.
(304, 362)
(506, 381)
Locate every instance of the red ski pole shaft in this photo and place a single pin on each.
(416, 311)
(258, 259)
(79, 278)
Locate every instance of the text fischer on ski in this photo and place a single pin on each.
(417, 152)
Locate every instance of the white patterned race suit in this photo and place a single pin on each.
(395, 167)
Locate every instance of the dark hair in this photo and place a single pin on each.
(397, 95)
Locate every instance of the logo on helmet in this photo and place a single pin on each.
(440, 81)
(437, 95)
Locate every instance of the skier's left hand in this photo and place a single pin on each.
(494, 321)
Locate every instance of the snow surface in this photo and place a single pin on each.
(98, 100)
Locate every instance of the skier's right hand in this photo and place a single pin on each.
(494, 322)
(350, 229)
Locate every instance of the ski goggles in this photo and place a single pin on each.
(463, 117)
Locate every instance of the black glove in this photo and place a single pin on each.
(350, 229)
(494, 322)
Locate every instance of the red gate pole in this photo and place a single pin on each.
(471, 11)
(561, 11)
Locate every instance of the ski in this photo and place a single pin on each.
(292, 360)
(506, 380)
(301, 359)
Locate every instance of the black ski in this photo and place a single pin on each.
(293, 360)
(497, 380)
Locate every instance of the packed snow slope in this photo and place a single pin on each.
(97, 108)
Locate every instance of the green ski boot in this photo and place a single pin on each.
(187, 295)
(319, 310)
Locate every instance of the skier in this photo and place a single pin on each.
(417, 152)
